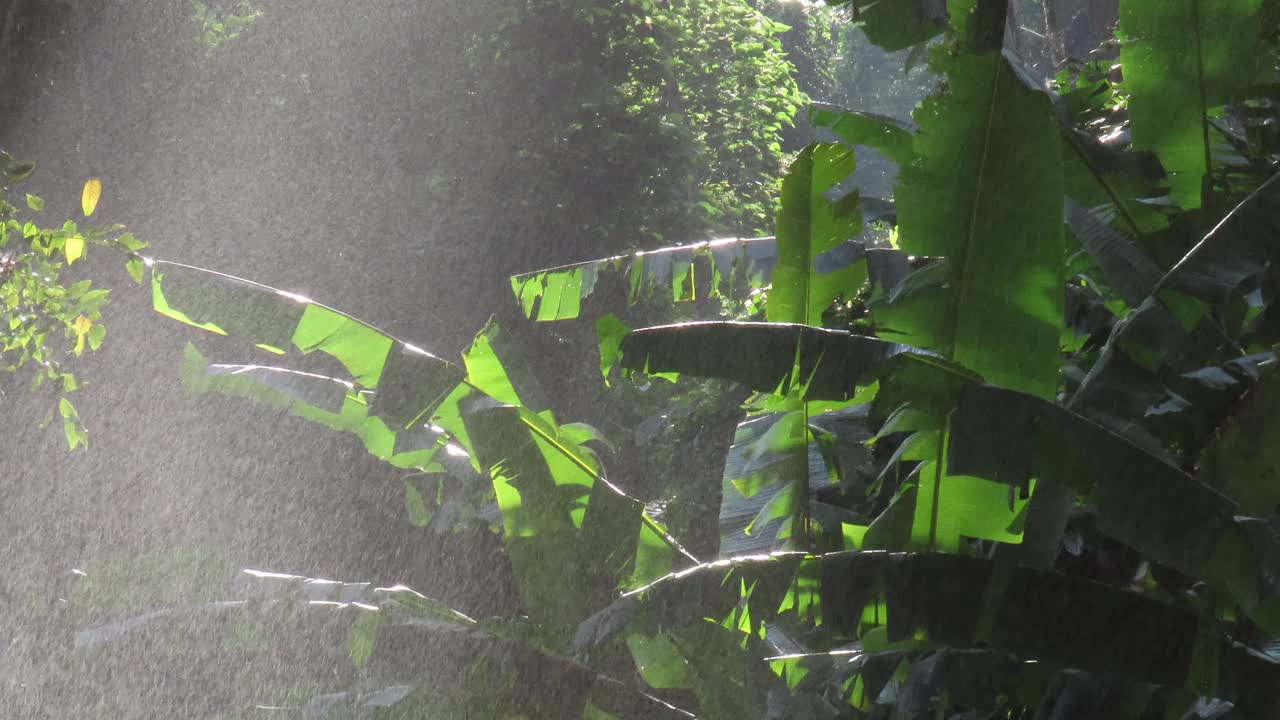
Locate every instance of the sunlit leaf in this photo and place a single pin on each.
(659, 661)
(879, 132)
(898, 24)
(81, 325)
(712, 268)
(135, 268)
(408, 381)
(610, 331)
(986, 194)
(1183, 60)
(73, 248)
(90, 195)
(808, 225)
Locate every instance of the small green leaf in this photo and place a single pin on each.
(66, 409)
(73, 435)
(416, 506)
(81, 325)
(130, 243)
(73, 248)
(133, 266)
(363, 635)
(611, 331)
(34, 202)
(19, 170)
(96, 334)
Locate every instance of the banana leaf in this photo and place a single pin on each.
(1193, 317)
(716, 268)
(332, 402)
(930, 601)
(768, 452)
(898, 24)
(1183, 61)
(810, 224)
(1127, 269)
(985, 193)
(1243, 460)
(412, 380)
(549, 487)
(381, 630)
(770, 357)
(878, 132)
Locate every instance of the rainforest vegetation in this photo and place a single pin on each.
(904, 360)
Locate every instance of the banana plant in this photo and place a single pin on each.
(572, 535)
(970, 393)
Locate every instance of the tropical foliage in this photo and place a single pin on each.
(1014, 465)
(669, 112)
(47, 322)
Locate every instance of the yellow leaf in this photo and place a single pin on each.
(89, 198)
(81, 325)
(74, 248)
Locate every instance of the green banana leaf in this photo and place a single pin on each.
(268, 616)
(809, 225)
(776, 358)
(332, 402)
(1183, 61)
(932, 601)
(985, 193)
(1156, 508)
(716, 268)
(879, 132)
(1243, 460)
(898, 24)
(1192, 319)
(413, 381)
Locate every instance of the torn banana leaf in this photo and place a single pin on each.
(363, 631)
(570, 533)
(1152, 506)
(334, 403)
(898, 24)
(809, 224)
(768, 452)
(1126, 267)
(680, 273)
(884, 134)
(934, 600)
(1212, 307)
(407, 381)
(777, 358)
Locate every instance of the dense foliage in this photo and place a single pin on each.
(46, 322)
(670, 112)
(1016, 464)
